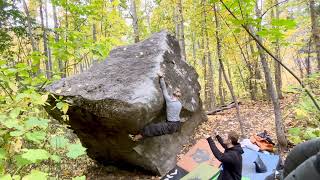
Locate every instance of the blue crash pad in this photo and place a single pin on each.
(249, 169)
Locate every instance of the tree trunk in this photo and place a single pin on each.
(194, 50)
(211, 94)
(242, 78)
(277, 67)
(272, 92)
(33, 43)
(275, 100)
(148, 11)
(75, 71)
(133, 10)
(252, 90)
(45, 41)
(229, 71)
(257, 40)
(103, 29)
(48, 43)
(32, 40)
(224, 72)
(204, 63)
(276, 105)
(204, 72)
(258, 76)
(234, 97)
(315, 25)
(66, 69)
(181, 35)
(221, 94)
(308, 66)
(177, 25)
(56, 39)
(298, 62)
(94, 33)
(81, 68)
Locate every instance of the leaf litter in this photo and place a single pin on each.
(257, 117)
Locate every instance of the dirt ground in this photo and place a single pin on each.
(257, 116)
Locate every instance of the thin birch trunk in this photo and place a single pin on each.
(133, 10)
(224, 72)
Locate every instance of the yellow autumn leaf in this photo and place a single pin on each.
(15, 146)
(44, 98)
(300, 113)
(65, 108)
(13, 86)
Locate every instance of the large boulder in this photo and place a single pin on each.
(122, 94)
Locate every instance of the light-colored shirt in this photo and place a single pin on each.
(173, 106)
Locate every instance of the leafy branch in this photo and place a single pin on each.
(5, 90)
(273, 7)
(255, 38)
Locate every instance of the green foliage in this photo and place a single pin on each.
(36, 136)
(297, 135)
(277, 29)
(311, 133)
(35, 155)
(88, 30)
(6, 177)
(35, 175)
(286, 23)
(55, 158)
(12, 21)
(75, 150)
(24, 127)
(295, 131)
(79, 178)
(58, 142)
(26, 139)
(306, 113)
(33, 122)
(63, 106)
(20, 161)
(3, 154)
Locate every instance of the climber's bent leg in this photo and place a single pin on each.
(157, 129)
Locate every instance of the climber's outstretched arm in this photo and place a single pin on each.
(164, 89)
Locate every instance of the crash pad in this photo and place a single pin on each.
(175, 174)
(198, 154)
(248, 166)
(203, 171)
(217, 175)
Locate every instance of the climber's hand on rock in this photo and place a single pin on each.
(206, 136)
(215, 133)
(160, 74)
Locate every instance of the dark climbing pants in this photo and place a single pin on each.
(162, 128)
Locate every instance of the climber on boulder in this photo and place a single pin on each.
(172, 124)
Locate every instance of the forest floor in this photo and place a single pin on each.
(257, 116)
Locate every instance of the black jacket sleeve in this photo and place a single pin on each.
(224, 158)
(221, 142)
